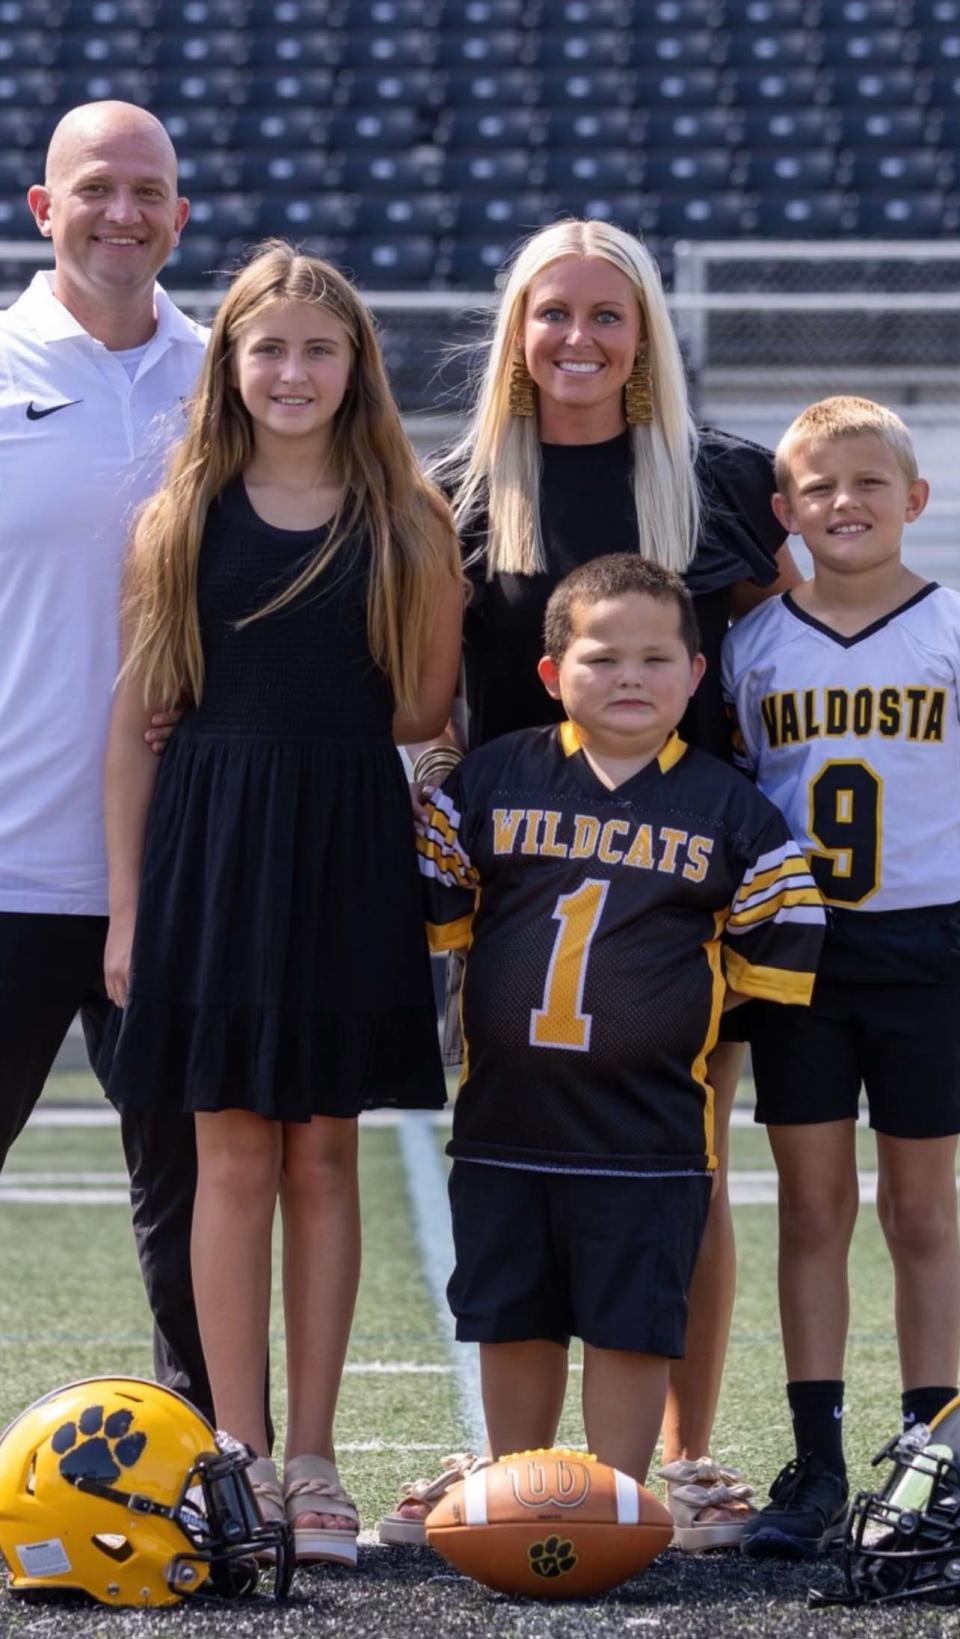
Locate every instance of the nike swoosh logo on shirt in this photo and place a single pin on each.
(33, 414)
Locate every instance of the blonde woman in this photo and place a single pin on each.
(581, 443)
(300, 580)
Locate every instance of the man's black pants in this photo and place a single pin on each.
(51, 967)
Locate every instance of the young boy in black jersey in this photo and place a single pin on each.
(609, 883)
(847, 695)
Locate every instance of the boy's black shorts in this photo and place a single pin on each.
(559, 1255)
(902, 1042)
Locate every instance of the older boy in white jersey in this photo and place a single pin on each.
(847, 698)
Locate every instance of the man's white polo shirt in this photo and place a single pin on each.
(81, 445)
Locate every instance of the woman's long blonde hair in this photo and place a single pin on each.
(406, 521)
(496, 464)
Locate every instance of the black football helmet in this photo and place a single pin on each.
(903, 1542)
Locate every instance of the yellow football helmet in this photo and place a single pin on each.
(94, 1483)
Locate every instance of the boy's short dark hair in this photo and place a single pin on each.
(612, 576)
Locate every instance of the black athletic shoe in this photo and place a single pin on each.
(807, 1511)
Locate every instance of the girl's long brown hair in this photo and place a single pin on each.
(408, 524)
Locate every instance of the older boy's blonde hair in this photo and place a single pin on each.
(845, 417)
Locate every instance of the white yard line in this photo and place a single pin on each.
(83, 1115)
(748, 1188)
(427, 1188)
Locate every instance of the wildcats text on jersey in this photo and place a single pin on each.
(550, 834)
(915, 712)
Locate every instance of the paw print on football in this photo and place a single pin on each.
(554, 1557)
(95, 1447)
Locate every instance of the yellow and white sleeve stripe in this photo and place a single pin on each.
(440, 855)
(778, 888)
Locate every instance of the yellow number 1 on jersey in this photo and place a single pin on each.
(560, 1021)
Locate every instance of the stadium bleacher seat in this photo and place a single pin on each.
(886, 127)
(694, 88)
(289, 14)
(693, 127)
(865, 13)
(280, 130)
(381, 263)
(497, 214)
(785, 215)
(918, 169)
(197, 128)
(409, 214)
(91, 85)
(502, 87)
(869, 46)
(675, 13)
(688, 171)
(617, 170)
(813, 168)
(779, 49)
(600, 49)
(600, 128)
(224, 214)
(940, 49)
(298, 216)
(26, 49)
(363, 171)
(903, 215)
(766, 14)
(470, 14)
(381, 128)
(706, 215)
(16, 221)
(211, 48)
(885, 87)
(596, 88)
(509, 170)
(778, 85)
(489, 48)
(634, 211)
(788, 128)
(503, 128)
(403, 48)
(473, 262)
(205, 172)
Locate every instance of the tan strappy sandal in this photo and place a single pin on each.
(311, 1485)
(404, 1525)
(268, 1494)
(710, 1504)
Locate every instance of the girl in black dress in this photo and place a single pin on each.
(581, 442)
(301, 581)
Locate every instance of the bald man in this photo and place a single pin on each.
(95, 366)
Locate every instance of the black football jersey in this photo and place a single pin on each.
(602, 928)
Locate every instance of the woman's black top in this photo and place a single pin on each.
(588, 508)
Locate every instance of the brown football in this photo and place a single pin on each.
(549, 1525)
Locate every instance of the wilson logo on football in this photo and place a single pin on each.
(554, 1482)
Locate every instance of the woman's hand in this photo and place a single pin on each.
(421, 795)
(116, 957)
(162, 725)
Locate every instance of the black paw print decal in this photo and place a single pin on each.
(555, 1557)
(107, 1446)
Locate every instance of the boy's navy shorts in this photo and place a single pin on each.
(558, 1255)
(885, 1014)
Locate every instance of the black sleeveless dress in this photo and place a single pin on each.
(280, 962)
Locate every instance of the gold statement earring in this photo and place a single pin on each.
(638, 392)
(520, 400)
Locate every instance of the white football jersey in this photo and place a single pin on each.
(857, 741)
